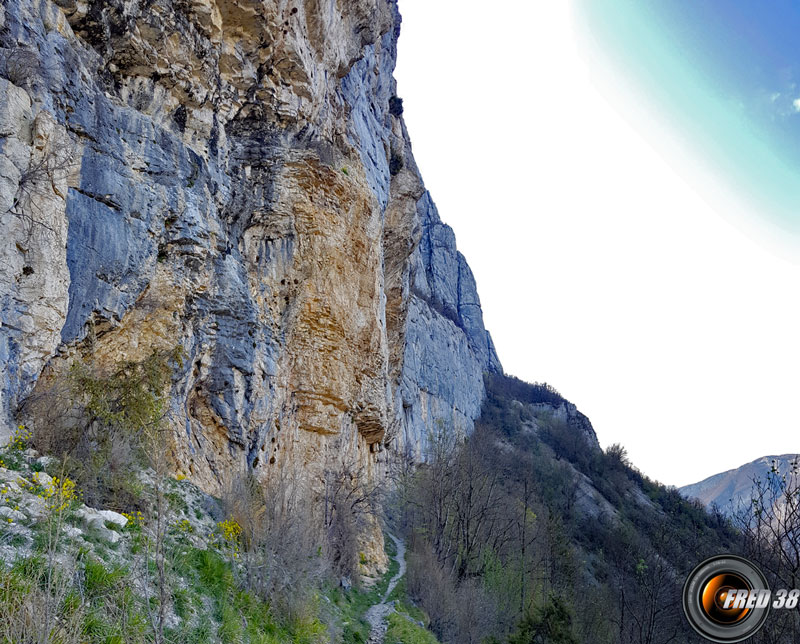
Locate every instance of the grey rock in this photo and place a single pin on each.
(10, 513)
(448, 350)
(96, 520)
(34, 507)
(112, 517)
(45, 461)
(42, 478)
(260, 208)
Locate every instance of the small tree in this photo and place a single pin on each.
(129, 407)
(618, 455)
(548, 624)
(352, 506)
(278, 559)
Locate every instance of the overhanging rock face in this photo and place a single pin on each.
(234, 178)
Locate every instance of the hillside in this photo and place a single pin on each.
(186, 569)
(728, 490)
(548, 533)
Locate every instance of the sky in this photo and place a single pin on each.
(622, 176)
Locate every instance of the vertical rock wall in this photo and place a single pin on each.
(446, 350)
(233, 177)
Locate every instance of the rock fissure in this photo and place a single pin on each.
(255, 179)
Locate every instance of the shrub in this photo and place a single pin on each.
(511, 388)
(103, 425)
(19, 65)
(396, 106)
(548, 624)
(270, 533)
(402, 629)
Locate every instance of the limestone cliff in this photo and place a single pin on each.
(234, 177)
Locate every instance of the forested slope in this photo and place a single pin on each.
(529, 532)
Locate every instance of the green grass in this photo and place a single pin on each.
(403, 626)
(99, 580)
(241, 616)
(354, 603)
(399, 591)
(207, 595)
(389, 548)
(177, 502)
(182, 601)
(210, 603)
(401, 630)
(413, 611)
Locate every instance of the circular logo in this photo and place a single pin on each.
(726, 599)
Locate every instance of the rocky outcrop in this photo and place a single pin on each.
(447, 350)
(235, 178)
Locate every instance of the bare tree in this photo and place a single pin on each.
(770, 525)
(352, 507)
(20, 65)
(50, 164)
(280, 559)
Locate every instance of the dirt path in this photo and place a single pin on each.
(377, 613)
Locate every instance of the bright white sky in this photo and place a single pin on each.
(601, 270)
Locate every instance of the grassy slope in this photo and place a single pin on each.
(91, 584)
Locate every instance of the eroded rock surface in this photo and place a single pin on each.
(233, 177)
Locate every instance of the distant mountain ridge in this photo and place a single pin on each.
(727, 489)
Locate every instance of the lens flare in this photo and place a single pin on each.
(713, 595)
